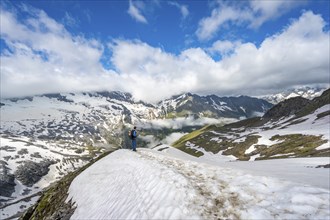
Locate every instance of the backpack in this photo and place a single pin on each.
(133, 134)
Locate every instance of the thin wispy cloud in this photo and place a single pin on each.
(267, 10)
(209, 26)
(183, 9)
(254, 14)
(135, 11)
(69, 20)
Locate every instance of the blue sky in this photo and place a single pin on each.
(155, 49)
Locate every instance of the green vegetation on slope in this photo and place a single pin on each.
(215, 139)
(181, 143)
(238, 149)
(296, 145)
(247, 123)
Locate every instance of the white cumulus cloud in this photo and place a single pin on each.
(41, 56)
(224, 48)
(298, 55)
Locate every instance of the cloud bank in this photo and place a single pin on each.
(41, 56)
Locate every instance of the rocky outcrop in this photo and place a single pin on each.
(297, 106)
(316, 103)
(287, 108)
(7, 180)
(31, 172)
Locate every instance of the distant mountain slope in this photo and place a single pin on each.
(315, 104)
(76, 117)
(294, 128)
(93, 117)
(287, 107)
(214, 106)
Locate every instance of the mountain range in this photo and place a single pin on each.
(296, 129)
(91, 116)
(43, 138)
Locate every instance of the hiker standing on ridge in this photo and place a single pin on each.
(133, 135)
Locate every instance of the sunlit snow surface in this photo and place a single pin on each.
(172, 185)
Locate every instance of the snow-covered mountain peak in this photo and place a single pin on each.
(305, 92)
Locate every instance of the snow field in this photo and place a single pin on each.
(64, 157)
(51, 151)
(25, 115)
(124, 186)
(152, 185)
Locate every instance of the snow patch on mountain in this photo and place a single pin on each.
(305, 92)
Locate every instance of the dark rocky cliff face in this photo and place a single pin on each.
(31, 172)
(287, 108)
(297, 106)
(316, 103)
(7, 181)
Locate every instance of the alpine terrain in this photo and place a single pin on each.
(229, 101)
(270, 167)
(45, 137)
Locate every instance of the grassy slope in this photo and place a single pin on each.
(181, 143)
(228, 142)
